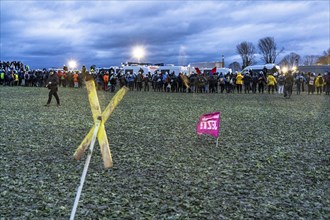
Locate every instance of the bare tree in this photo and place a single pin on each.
(235, 66)
(310, 60)
(268, 49)
(246, 50)
(325, 59)
(291, 60)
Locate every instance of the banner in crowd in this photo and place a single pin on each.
(209, 124)
(214, 70)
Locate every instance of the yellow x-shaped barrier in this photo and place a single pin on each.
(97, 115)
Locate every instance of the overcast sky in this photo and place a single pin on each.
(49, 33)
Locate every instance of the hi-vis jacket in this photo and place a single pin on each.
(271, 81)
(319, 82)
(239, 79)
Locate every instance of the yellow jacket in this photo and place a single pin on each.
(271, 80)
(318, 83)
(239, 79)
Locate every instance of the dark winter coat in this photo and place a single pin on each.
(53, 81)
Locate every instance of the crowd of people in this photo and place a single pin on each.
(18, 74)
(251, 82)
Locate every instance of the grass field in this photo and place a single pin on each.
(272, 162)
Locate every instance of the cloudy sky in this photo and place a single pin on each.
(50, 33)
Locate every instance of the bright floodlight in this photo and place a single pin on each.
(138, 52)
(72, 64)
(284, 69)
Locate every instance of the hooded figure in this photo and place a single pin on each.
(52, 85)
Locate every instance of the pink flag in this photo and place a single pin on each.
(209, 124)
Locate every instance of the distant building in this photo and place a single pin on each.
(314, 68)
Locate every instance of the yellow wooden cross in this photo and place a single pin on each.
(101, 135)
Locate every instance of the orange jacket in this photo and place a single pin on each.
(75, 77)
(106, 78)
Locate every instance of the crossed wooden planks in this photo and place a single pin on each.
(103, 117)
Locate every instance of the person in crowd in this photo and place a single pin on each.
(130, 81)
(212, 80)
(228, 83)
(113, 82)
(122, 80)
(205, 83)
(271, 82)
(300, 80)
(2, 77)
(327, 83)
(311, 83)
(280, 83)
(139, 81)
(233, 82)
(222, 82)
(261, 82)
(106, 80)
(64, 78)
(192, 81)
(52, 85)
(60, 74)
(254, 82)
(288, 84)
(16, 79)
(247, 79)
(146, 80)
(319, 84)
(239, 82)
(75, 80)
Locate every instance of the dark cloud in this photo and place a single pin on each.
(49, 33)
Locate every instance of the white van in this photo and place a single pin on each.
(110, 68)
(169, 69)
(219, 70)
(257, 68)
(135, 69)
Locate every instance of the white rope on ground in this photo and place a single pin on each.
(83, 176)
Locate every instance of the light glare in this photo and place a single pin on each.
(284, 69)
(138, 52)
(72, 64)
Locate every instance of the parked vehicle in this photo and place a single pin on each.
(270, 68)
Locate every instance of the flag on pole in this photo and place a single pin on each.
(185, 80)
(209, 124)
(198, 70)
(214, 70)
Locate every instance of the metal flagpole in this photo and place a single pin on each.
(83, 176)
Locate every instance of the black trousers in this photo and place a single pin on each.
(53, 92)
(288, 91)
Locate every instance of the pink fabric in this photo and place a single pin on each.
(209, 124)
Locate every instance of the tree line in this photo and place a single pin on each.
(269, 52)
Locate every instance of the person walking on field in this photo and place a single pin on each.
(52, 85)
(271, 82)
